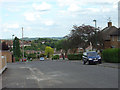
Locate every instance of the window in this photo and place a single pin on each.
(112, 38)
(118, 38)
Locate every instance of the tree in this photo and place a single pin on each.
(63, 44)
(4, 46)
(81, 36)
(49, 51)
(16, 47)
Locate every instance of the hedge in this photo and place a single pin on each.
(111, 55)
(33, 56)
(55, 57)
(75, 56)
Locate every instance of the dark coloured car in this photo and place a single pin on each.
(91, 57)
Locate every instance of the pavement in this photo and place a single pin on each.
(60, 74)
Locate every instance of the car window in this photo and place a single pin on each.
(92, 54)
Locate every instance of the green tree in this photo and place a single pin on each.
(16, 47)
(49, 51)
(63, 44)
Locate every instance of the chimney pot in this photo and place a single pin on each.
(109, 24)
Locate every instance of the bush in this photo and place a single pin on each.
(33, 56)
(42, 55)
(75, 56)
(17, 58)
(55, 57)
(111, 55)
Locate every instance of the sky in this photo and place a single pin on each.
(53, 18)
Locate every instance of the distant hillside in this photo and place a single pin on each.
(31, 39)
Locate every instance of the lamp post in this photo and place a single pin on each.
(22, 44)
(95, 23)
(12, 36)
(12, 40)
(95, 31)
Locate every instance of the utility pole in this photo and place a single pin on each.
(95, 31)
(22, 44)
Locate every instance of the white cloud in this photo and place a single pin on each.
(74, 7)
(13, 9)
(48, 22)
(30, 16)
(11, 26)
(43, 6)
(28, 28)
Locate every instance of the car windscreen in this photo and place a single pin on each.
(91, 54)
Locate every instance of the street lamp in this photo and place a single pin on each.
(95, 31)
(12, 36)
(22, 44)
(12, 41)
(95, 23)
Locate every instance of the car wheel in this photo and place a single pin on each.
(89, 63)
(100, 62)
(84, 62)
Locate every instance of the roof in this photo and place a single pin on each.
(106, 32)
(116, 33)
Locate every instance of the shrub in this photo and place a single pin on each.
(111, 55)
(17, 58)
(31, 56)
(55, 57)
(42, 55)
(75, 56)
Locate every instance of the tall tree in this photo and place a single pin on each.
(16, 47)
(63, 44)
(81, 36)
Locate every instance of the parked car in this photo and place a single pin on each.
(25, 59)
(91, 57)
(42, 58)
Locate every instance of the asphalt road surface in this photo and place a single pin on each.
(59, 74)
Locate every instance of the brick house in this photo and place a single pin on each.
(115, 39)
(3, 63)
(108, 34)
(8, 56)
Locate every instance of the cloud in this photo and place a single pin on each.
(8, 29)
(29, 16)
(28, 28)
(13, 9)
(42, 7)
(11, 26)
(73, 7)
(48, 22)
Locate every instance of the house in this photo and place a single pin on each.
(8, 56)
(5, 52)
(3, 63)
(115, 39)
(110, 36)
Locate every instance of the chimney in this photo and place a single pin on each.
(109, 24)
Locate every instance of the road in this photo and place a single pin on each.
(59, 74)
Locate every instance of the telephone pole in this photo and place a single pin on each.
(22, 44)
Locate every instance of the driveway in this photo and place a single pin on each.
(60, 74)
